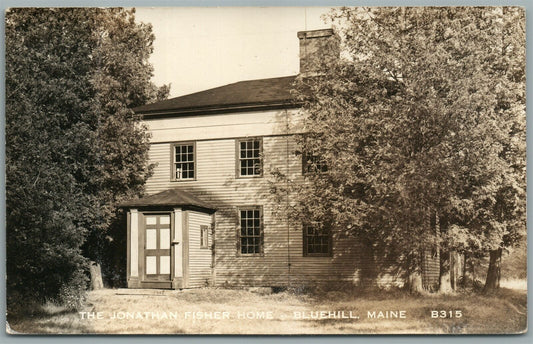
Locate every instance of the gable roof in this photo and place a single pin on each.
(170, 198)
(239, 96)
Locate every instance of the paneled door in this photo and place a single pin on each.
(157, 247)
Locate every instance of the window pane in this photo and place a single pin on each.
(164, 220)
(164, 240)
(164, 265)
(151, 265)
(151, 239)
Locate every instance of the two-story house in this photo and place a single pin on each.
(208, 217)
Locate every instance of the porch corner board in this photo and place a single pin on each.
(134, 283)
(185, 252)
(177, 283)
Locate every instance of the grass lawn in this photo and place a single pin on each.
(247, 312)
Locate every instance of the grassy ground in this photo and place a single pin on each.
(502, 312)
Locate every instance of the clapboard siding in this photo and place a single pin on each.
(283, 262)
(200, 273)
(209, 127)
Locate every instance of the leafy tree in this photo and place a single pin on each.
(73, 147)
(422, 118)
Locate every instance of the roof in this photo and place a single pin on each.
(171, 197)
(239, 96)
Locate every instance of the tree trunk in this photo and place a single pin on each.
(445, 285)
(453, 270)
(415, 283)
(96, 276)
(465, 280)
(493, 275)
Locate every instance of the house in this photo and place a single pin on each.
(208, 217)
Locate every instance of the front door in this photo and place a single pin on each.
(157, 247)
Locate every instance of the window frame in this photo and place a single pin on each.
(204, 236)
(305, 248)
(173, 161)
(261, 252)
(306, 167)
(238, 157)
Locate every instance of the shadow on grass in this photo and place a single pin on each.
(46, 318)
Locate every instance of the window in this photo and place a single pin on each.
(317, 241)
(204, 236)
(313, 164)
(184, 161)
(251, 231)
(249, 162)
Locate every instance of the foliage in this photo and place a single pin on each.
(73, 147)
(423, 113)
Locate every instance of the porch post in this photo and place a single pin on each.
(177, 244)
(133, 280)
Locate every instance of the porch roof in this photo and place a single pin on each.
(169, 198)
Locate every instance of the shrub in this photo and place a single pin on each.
(73, 294)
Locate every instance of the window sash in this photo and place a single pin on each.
(316, 242)
(250, 231)
(249, 159)
(184, 161)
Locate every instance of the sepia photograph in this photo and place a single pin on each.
(265, 170)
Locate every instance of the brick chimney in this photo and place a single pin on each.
(313, 41)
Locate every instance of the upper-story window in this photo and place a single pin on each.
(249, 162)
(313, 164)
(183, 167)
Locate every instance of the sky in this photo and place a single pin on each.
(200, 48)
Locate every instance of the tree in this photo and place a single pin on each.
(413, 122)
(73, 147)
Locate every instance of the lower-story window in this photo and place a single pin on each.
(251, 230)
(317, 241)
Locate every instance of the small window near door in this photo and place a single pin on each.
(204, 236)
